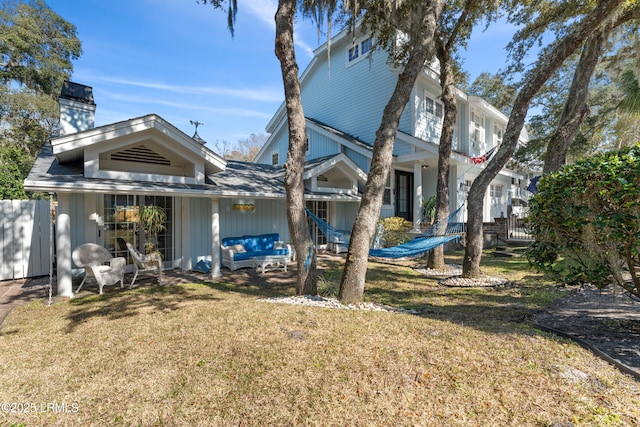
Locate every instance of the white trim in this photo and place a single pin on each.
(71, 147)
(215, 239)
(63, 246)
(357, 44)
(351, 170)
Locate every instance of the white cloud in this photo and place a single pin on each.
(202, 106)
(265, 11)
(252, 94)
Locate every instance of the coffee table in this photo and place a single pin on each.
(270, 262)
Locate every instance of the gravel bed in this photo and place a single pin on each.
(449, 270)
(453, 273)
(318, 301)
(484, 281)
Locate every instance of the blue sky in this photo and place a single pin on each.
(176, 58)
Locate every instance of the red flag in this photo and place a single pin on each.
(481, 159)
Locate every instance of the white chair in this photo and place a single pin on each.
(99, 264)
(145, 264)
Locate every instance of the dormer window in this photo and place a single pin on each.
(360, 49)
(367, 44)
(353, 53)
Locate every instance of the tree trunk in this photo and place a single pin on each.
(355, 269)
(546, 65)
(436, 256)
(294, 165)
(575, 108)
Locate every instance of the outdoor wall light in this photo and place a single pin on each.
(244, 207)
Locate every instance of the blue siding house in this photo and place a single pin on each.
(343, 98)
(104, 177)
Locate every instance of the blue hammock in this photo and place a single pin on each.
(332, 234)
(425, 242)
(418, 246)
(429, 240)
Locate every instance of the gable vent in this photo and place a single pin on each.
(141, 154)
(322, 178)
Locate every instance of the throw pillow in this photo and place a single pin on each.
(238, 248)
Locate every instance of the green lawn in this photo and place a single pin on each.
(212, 354)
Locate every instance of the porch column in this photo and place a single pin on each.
(417, 196)
(215, 238)
(63, 246)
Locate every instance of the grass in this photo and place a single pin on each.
(210, 354)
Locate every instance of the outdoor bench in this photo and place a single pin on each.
(243, 251)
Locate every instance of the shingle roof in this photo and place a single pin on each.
(239, 179)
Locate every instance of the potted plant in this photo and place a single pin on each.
(152, 219)
(428, 211)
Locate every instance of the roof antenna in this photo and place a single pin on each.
(196, 124)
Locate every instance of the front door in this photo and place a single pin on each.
(404, 195)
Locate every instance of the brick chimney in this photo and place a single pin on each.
(77, 109)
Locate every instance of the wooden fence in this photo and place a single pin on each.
(25, 238)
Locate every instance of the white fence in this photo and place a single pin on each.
(25, 238)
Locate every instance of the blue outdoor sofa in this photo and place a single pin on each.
(244, 251)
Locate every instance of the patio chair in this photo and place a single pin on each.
(99, 264)
(145, 264)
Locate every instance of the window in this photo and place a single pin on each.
(353, 53)
(386, 197)
(499, 132)
(360, 49)
(477, 130)
(495, 191)
(122, 225)
(429, 105)
(274, 159)
(367, 44)
(433, 107)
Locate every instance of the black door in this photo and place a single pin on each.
(404, 195)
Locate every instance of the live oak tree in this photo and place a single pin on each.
(453, 31)
(418, 20)
(549, 60)
(576, 108)
(36, 50)
(294, 165)
(495, 90)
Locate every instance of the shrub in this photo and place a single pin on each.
(395, 231)
(328, 285)
(589, 214)
(429, 210)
